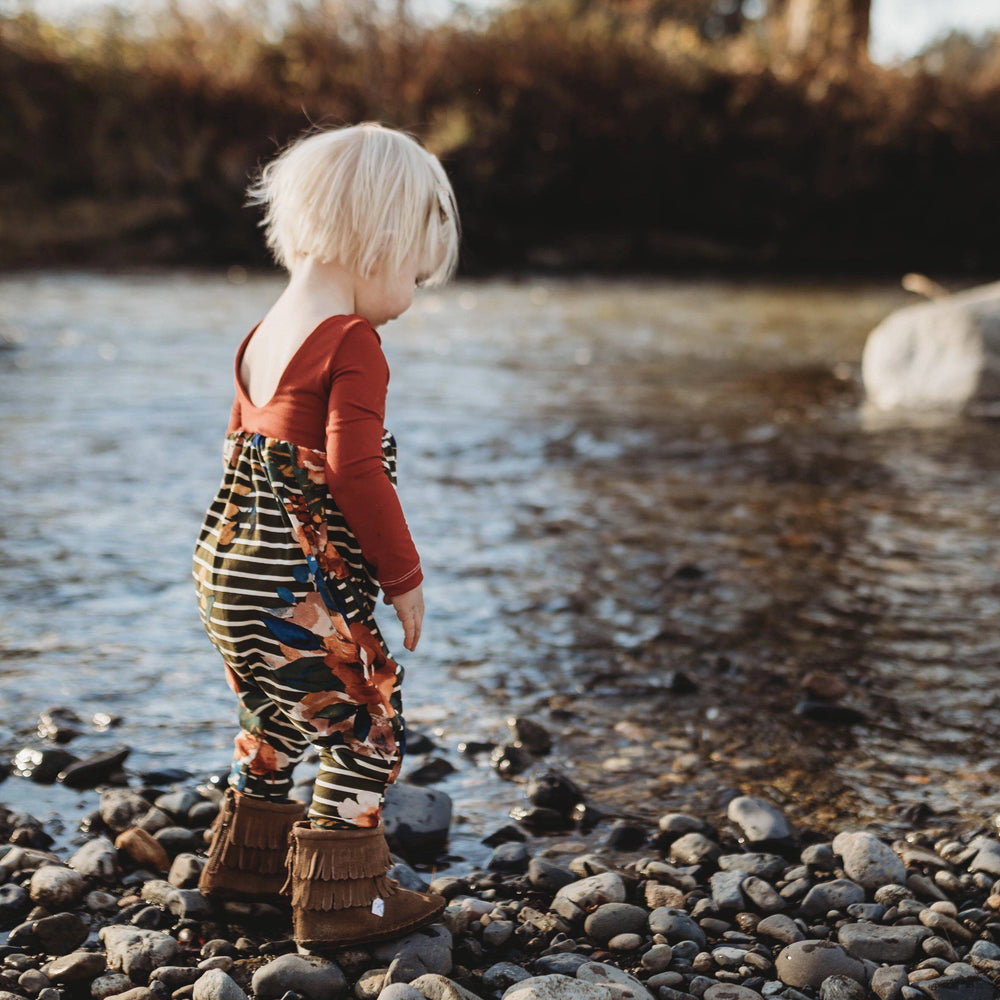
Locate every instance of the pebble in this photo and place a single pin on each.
(121, 807)
(868, 861)
(217, 985)
(759, 821)
(430, 948)
(882, 944)
(808, 963)
(611, 919)
(836, 894)
(593, 891)
(185, 871)
(511, 858)
(56, 887)
(75, 967)
(96, 859)
(435, 987)
(544, 875)
(676, 925)
(694, 849)
(137, 952)
(143, 848)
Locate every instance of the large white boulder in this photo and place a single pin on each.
(941, 356)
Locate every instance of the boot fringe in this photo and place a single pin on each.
(345, 860)
(260, 829)
(262, 860)
(341, 894)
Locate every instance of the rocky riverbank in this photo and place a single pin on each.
(745, 908)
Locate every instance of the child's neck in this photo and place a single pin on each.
(328, 287)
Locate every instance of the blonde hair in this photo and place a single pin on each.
(361, 195)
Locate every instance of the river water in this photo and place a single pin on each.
(610, 483)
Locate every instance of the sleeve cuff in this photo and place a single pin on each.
(400, 585)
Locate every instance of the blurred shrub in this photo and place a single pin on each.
(576, 135)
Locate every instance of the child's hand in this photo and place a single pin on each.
(409, 609)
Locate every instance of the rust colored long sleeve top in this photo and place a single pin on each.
(331, 397)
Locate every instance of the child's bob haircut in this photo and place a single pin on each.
(363, 196)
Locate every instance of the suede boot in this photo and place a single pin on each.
(341, 895)
(248, 852)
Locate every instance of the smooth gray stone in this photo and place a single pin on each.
(136, 951)
(868, 861)
(310, 976)
(511, 858)
(59, 934)
(728, 957)
(694, 849)
(497, 933)
(96, 859)
(819, 856)
(766, 866)
(416, 819)
(109, 985)
(730, 991)
(401, 991)
(602, 974)
(435, 987)
(759, 821)
(56, 888)
(985, 949)
(595, 890)
(727, 893)
(556, 988)
(681, 823)
(185, 871)
(888, 982)
(407, 877)
(177, 804)
(882, 944)
(75, 966)
(121, 808)
(404, 969)
(564, 964)
(808, 963)
(676, 925)
(544, 875)
(175, 976)
(611, 919)
(14, 903)
(430, 947)
(657, 959)
(938, 355)
(837, 894)
(217, 985)
(763, 895)
(987, 857)
(503, 975)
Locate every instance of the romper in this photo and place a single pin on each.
(285, 591)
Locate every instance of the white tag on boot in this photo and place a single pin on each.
(378, 906)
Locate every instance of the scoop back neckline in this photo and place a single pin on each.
(241, 390)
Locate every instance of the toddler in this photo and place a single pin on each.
(306, 528)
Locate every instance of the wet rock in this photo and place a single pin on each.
(611, 919)
(144, 849)
(694, 849)
(416, 819)
(544, 875)
(430, 771)
(887, 982)
(676, 925)
(59, 724)
(529, 734)
(311, 977)
(539, 819)
(91, 771)
(837, 894)
(75, 967)
(510, 760)
(97, 859)
(677, 824)
(41, 766)
(503, 975)
(120, 808)
(56, 888)
(589, 893)
(834, 715)
(497, 933)
(759, 821)
(556, 987)
(429, 947)
(511, 857)
(14, 903)
(868, 861)
(217, 985)
(154, 820)
(729, 991)
(186, 870)
(178, 839)
(727, 892)
(110, 984)
(177, 804)
(808, 963)
(882, 944)
(945, 925)
(59, 934)
(552, 790)
(625, 836)
(987, 858)
(937, 355)
(136, 952)
(781, 928)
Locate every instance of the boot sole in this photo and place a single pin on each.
(326, 947)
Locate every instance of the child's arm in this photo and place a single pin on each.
(357, 479)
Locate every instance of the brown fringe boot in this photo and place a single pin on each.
(340, 892)
(248, 852)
